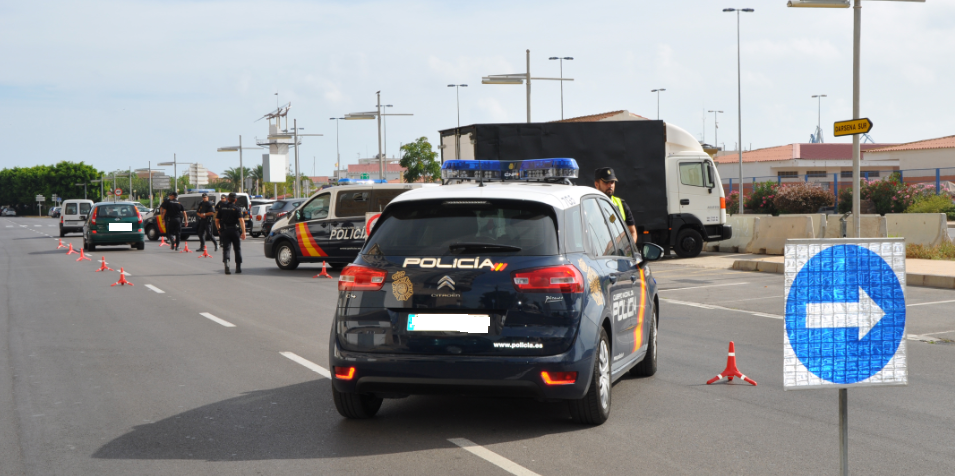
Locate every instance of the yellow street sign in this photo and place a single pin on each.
(855, 126)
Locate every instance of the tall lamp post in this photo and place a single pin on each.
(819, 119)
(338, 153)
(457, 95)
(561, 59)
(175, 170)
(716, 129)
(519, 78)
(298, 173)
(239, 149)
(84, 188)
(739, 102)
(376, 114)
(658, 91)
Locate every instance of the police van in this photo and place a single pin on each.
(512, 282)
(330, 226)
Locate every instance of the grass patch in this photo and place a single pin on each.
(945, 250)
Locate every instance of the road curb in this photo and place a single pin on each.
(912, 279)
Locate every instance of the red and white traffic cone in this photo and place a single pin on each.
(83, 256)
(162, 241)
(731, 370)
(61, 245)
(102, 266)
(324, 273)
(122, 279)
(205, 252)
(186, 249)
(71, 251)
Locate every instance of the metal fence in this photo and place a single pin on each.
(939, 180)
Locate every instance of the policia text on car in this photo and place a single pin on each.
(231, 228)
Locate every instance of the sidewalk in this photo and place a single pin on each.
(919, 272)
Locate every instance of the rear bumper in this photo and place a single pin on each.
(117, 238)
(509, 376)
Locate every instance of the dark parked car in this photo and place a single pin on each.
(279, 209)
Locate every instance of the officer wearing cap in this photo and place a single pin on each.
(204, 223)
(174, 214)
(606, 181)
(231, 228)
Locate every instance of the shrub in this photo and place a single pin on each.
(941, 203)
(732, 202)
(761, 200)
(891, 195)
(802, 198)
(946, 250)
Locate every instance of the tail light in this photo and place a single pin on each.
(554, 279)
(258, 218)
(559, 378)
(61, 219)
(722, 203)
(345, 373)
(139, 216)
(93, 218)
(281, 214)
(356, 277)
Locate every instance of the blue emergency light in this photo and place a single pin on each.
(348, 181)
(530, 170)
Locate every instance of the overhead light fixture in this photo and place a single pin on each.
(818, 3)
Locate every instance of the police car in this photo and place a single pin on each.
(512, 282)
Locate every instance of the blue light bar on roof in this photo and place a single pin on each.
(530, 170)
(348, 181)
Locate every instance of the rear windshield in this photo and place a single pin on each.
(277, 206)
(116, 211)
(430, 228)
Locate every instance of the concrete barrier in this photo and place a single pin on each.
(873, 226)
(772, 233)
(744, 228)
(929, 229)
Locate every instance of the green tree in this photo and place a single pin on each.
(20, 185)
(257, 174)
(420, 161)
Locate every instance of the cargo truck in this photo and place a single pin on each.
(670, 183)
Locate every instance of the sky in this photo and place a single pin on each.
(119, 84)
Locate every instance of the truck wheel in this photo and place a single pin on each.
(648, 366)
(689, 243)
(152, 233)
(285, 257)
(355, 405)
(594, 408)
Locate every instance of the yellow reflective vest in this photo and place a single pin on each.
(619, 203)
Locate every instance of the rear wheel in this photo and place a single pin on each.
(356, 405)
(85, 246)
(152, 233)
(90, 247)
(140, 246)
(648, 366)
(594, 408)
(689, 243)
(62, 233)
(285, 257)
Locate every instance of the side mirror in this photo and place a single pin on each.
(710, 173)
(652, 252)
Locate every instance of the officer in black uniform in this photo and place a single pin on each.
(606, 181)
(174, 214)
(231, 228)
(205, 212)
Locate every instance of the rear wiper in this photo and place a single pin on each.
(483, 246)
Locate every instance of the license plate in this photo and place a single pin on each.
(469, 323)
(120, 227)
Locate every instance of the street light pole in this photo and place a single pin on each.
(376, 114)
(819, 118)
(561, 59)
(519, 78)
(658, 91)
(739, 102)
(716, 129)
(338, 153)
(457, 94)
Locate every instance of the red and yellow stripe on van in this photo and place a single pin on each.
(306, 243)
(161, 224)
(641, 313)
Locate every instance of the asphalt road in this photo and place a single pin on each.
(127, 380)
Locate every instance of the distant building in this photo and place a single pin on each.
(368, 168)
(198, 175)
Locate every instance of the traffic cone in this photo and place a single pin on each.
(205, 252)
(122, 279)
(103, 266)
(162, 241)
(324, 273)
(186, 249)
(731, 370)
(61, 245)
(71, 251)
(83, 256)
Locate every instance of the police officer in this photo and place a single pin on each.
(205, 212)
(174, 214)
(606, 181)
(229, 222)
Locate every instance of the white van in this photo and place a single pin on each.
(74, 215)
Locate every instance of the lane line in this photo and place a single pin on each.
(492, 457)
(721, 308)
(154, 288)
(753, 299)
(307, 364)
(929, 303)
(216, 319)
(706, 286)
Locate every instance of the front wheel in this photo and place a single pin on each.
(152, 233)
(355, 405)
(285, 257)
(594, 408)
(689, 243)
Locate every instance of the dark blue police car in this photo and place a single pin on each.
(513, 282)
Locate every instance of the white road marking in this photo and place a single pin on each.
(721, 308)
(492, 457)
(698, 287)
(753, 299)
(154, 288)
(928, 303)
(216, 319)
(38, 225)
(307, 364)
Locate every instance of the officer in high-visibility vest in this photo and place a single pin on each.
(605, 181)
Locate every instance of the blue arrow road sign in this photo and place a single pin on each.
(845, 315)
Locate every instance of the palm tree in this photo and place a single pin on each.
(257, 174)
